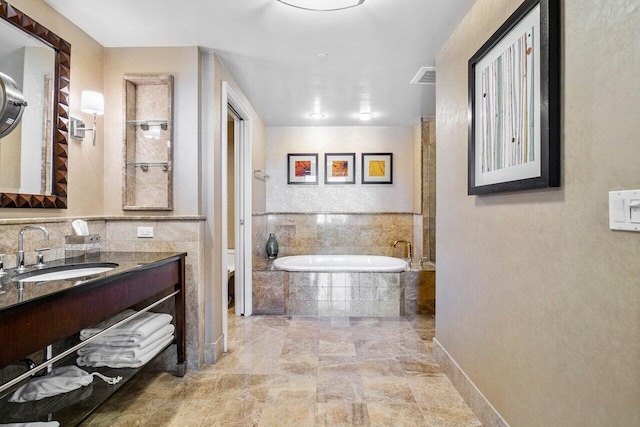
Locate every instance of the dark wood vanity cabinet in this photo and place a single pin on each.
(140, 280)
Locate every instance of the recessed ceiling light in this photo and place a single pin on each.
(321, 57)
(316, 116)
(322, 5)
(366, 116)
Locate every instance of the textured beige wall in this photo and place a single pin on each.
(213, 73)
(86, 171)
(182, 63)
(397, 197)
(538, 301)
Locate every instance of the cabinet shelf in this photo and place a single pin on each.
(72, 408)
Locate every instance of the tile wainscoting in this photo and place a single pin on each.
(338, 233)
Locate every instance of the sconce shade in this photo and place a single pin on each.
(92, 102)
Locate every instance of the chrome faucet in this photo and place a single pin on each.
(409, 253)
(20, 255)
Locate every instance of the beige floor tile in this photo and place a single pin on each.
(419, 368)
(343, 387)
(288, 415)
(380, 368)
(391, 390)
(338, 348)
(387, 415)
(302, 371)
(342, 414)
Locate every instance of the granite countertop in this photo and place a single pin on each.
(12, 296)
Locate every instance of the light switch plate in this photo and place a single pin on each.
(624, 212)
(145, 232)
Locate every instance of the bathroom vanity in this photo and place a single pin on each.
(36, 314)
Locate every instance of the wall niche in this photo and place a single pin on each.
(148, 143)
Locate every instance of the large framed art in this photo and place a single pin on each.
(514, 103)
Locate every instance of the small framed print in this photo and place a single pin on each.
(340, 168)
(377, 168)
(302, 169)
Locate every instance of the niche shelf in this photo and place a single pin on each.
(146, 165)
(146, 124)
(148, 141)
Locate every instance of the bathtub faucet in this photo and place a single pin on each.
(20, 255)
(409, 254)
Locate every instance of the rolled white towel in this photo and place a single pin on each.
(107, 342)
(141, 327)
(116, 361)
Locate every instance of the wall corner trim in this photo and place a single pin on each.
(479, 404)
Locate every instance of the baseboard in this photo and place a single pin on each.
(213, 351)
(479, 404)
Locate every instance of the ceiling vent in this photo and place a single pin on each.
(425, 76)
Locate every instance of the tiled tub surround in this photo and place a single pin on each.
(118, 234)
(343, 294)
(338, 233)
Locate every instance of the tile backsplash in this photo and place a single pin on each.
(337, 233)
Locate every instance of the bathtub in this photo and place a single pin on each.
(359, 263)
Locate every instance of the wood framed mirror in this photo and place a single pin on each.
(50, 189)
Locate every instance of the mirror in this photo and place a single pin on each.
(33, 156)
(147, 148)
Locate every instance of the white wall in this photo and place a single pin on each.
(397, 197)
(538, 301)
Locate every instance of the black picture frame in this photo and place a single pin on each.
(488, 172)
(302, 168)
(346, 173)
(387, 168)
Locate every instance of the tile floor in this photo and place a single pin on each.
(303, 371)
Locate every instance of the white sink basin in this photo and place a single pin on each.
(64, 272)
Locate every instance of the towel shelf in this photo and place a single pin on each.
(146, 165)
(145, 124)
(73, 349)
(258, 174)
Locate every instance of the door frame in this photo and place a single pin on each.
(242, 187)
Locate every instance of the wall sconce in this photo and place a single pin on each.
(91, 103)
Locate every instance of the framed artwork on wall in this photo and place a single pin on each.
(302, 169)
(514, 103)
(340, 168)
(377, 168)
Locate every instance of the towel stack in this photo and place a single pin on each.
(129, 345)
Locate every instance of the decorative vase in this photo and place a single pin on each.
(272, 247)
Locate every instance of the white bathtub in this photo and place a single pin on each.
(364, 263)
